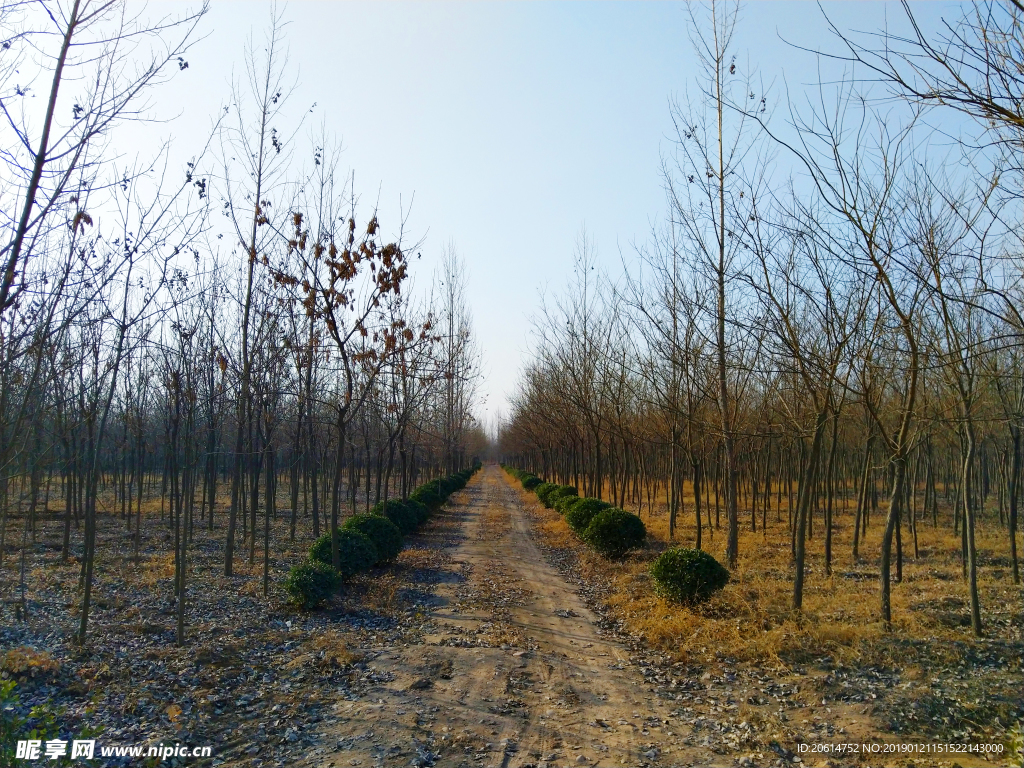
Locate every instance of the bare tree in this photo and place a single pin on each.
(255, 154)
(92, 51)
(460, 358)
(813, 310)
(716, 162)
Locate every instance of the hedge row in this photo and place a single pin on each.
(367, 540)
(612, 532)
(688, 576)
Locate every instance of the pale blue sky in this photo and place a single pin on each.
(513, 124)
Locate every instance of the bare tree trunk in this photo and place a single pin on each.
(807, 483)
(1014, 482)
(339, 467)
(968, 505)
(673, 485)
(696, 467)
(829, 493)
(270, 508)
(862, 499)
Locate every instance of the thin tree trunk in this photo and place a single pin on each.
(807, 483)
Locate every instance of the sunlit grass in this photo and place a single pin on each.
(752, 619)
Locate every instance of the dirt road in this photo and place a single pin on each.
(512, 669)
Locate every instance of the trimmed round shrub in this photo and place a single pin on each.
(406, 518)
(382, 532)
(356, 552)
(565, 503)
(427, 496)
(440, 488)
(419, 509)
(579, 512)
(614, 532)
(688, 576)
(542, 492)
(311, 583)
(531, 481)
(560, 492)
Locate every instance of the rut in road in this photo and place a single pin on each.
(511, 670)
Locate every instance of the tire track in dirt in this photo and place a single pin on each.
(510, 669)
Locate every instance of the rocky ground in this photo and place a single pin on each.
(478, 647)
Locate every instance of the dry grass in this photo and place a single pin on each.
(416, 557)
(752, 618)
(26, 661)
(954, 686)
(156, 568)
(329, 648)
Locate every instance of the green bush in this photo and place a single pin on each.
(356, 552)
(565, 502)
(1016, 745)
(559, 493)
(614, 532)
(531, 481)
(688, 576)
(543, 490)
(43, 722)
(382, 532)
(434, 493)
(440, 487)
(427, 496)
(11, 723)
(405, 517)
(419, 509)
(518, 474)
(579, 512)
(310, 583)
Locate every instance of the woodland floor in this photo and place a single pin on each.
(494, 640)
